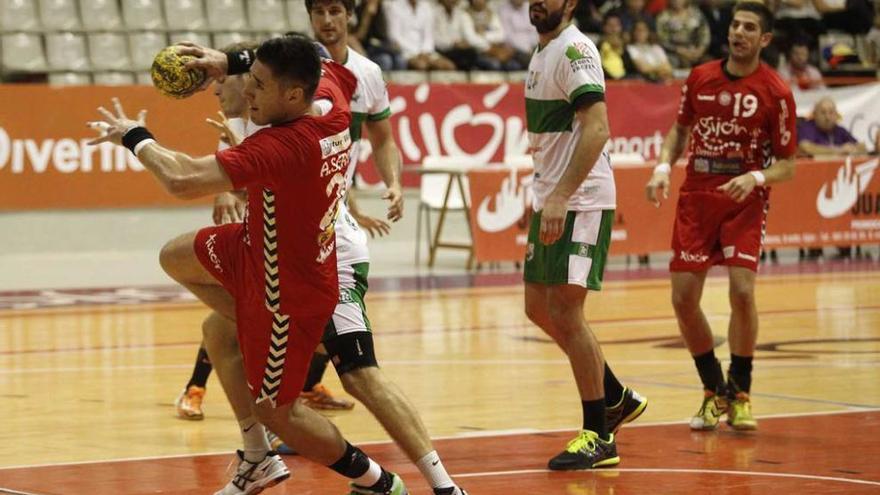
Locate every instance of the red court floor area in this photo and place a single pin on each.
(828, 453)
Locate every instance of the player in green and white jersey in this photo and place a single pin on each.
(570, 232)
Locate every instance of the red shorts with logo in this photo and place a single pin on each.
(712, 229)
(223, 252)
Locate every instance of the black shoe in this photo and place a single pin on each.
(586, 451)
(631, 407)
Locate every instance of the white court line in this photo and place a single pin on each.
(459, 436)
(681, 471)
(10, 491)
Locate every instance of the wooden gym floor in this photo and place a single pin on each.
(87, 381)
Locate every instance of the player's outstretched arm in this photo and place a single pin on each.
(387, 158)
(595, 133)
(182, 175)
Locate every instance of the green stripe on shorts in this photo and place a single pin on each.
(560, 262)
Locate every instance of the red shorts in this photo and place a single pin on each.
(292, 340)
(712, 229)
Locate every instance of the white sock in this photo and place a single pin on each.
(255, 443)
(371, 476)
(432, 469)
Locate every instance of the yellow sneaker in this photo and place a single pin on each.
(189, 403)
(710, 412)
(739, 417)
(586, 451)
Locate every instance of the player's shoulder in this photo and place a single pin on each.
(341, 77)
(707, 70)
(358, 63)
(573, 41)
(775, 84)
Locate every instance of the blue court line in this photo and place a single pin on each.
(764, 395)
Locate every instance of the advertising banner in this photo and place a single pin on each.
(45, 162)
(829, 203)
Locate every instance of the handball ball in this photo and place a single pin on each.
(171, 78)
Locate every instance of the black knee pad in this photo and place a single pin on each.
(351, 351)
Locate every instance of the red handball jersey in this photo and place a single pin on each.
(738, 124)
(294, 174)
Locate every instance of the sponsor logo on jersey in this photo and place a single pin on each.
(692, 257)
(710, 126)
(579, 56)
(530, 251)
(784, 131)
(334, 144)
(724, 98)
(335, 164)
(212, 255)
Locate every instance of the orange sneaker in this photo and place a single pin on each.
(189, 403)
(321, 398)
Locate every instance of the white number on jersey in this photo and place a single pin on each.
(748, 103)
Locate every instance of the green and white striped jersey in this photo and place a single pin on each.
(559, 73)
(369, 102)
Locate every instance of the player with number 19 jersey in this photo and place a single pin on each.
(737, 125)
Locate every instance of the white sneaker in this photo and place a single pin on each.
(253, 478)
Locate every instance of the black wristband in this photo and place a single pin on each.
(134, 136)
(240, 62)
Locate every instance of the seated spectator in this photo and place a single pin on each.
(519, 33)
(718, 14)
(454, 35)
(411, 27)
(648, 58)
(612, 48)
(494, 53)
(371, 31)
(823, 136)
(631, 12)
(797, 71)
(683, 33)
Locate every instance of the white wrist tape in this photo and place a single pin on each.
(663, 167)
(138, 147)
(759, 177)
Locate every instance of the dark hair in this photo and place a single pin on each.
(759, 8)
(293, 59)
(240, 46)
(348, 4)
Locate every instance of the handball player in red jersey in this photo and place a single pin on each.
(740, 118)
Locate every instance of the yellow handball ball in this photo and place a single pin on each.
(171, 78)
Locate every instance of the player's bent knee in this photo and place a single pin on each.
(176, 256)
(742, 296)
(685, 302)
(351, 351)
